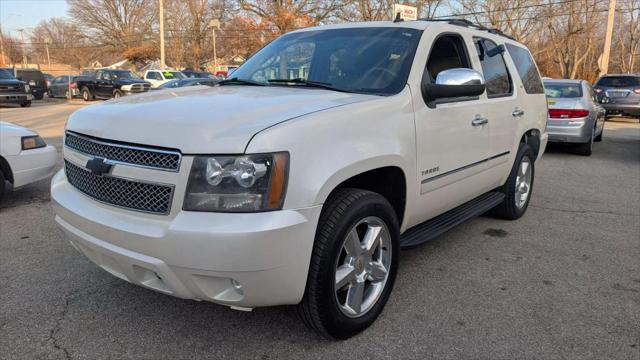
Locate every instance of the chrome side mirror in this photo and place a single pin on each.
(459, 77)
(453, 85)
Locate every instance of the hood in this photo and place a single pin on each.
(11, 82)
(200, 120)
(9, 129)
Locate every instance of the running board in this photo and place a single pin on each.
(437, 226)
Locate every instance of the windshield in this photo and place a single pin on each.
(123, 74)
(363, 60)
(173, 75)
(5, 75)
(562, 90)
(619, 81)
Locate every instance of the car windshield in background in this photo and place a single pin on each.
(619, 81)
(361, 60)
(5, 75)
(562, 90)
(123, 74)
(173, 75)
(170, 84)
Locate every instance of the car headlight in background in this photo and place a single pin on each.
(32, 142)
(243, 183)
(27, 88)
(125, 88)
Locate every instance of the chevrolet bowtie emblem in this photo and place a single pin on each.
(99, 166)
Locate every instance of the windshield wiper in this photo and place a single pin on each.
(309, 83)
(237, 81)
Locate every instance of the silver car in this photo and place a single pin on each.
(574, 114)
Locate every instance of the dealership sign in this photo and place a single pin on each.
(405, 12)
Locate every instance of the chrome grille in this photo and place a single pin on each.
(152, 198)
(140, 156)
(140, 87)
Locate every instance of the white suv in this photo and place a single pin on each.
(298, 180)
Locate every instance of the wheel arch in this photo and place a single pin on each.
(532, 137)
(6, 169)
(393, 188)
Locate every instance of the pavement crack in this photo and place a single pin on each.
(53, 333)
(584, 211)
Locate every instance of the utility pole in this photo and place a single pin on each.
(214, 24)
(162, 63)
(46, 44)
(2, 47)
(24, 50)
(604, 60)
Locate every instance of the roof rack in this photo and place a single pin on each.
(469, 24)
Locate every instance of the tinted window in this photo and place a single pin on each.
(619, 81)
(495, 71)
(364, 60)
(562, 90)
(526, 69)
(123, 74)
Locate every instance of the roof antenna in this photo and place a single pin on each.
(398, 18)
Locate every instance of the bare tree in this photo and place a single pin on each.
(286, 15)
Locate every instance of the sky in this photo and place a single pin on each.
(17, 14)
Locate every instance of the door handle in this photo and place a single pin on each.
(479, 120)
(517, 112)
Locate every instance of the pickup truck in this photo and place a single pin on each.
(107, 84)
(298, 179)
(14, 91)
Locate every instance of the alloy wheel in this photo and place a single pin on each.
(523, 182)
(363, 266)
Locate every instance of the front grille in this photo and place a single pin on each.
(128, 194)
(10, 88)
(140, 87)
(147, 157)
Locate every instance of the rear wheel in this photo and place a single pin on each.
(86, 94)
(353, 264)
(587, 148)
(599, 137)
(26, 103)
(519, 185)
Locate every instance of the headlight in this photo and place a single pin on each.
(245, 183)
(27, 88)
(125, 88)
(32, 142)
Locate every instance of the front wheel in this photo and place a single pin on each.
(26, 104)
(353, 264)
(86, 94)
(519, 185)
(117, 94)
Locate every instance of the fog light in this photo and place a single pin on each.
(236, 285)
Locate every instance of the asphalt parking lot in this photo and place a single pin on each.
(563, 282)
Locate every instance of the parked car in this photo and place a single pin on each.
(34, 78)
(159, 77)
(574, 114)
(107, 83)
(187, 82)
(24, 157)
(14, 91)
(197, 74)
(49, 78)
(298, 180)
(65, 86)
(619, 94)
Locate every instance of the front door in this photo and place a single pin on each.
(452, 134)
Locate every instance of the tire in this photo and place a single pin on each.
(67, 95)
(599, 137)
(321, 308)
(2, 185)
(86, 94)
(587, 148)
(117, 94)
(26, 104)
(508, 209)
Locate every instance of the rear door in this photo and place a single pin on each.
(504, 107)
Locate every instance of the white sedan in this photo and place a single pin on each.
(24, 157)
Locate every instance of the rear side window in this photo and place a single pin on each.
(526, 69)
(619, 81)
(495, 71)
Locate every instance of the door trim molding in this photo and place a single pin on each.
(451, 172)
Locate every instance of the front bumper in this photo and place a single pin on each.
(563, 131)
(194, 255)
(623, 109)
(17, 98)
